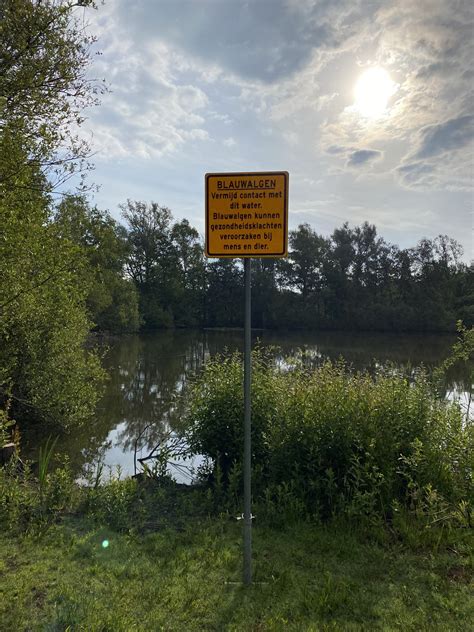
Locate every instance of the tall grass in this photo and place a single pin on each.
(44, 459)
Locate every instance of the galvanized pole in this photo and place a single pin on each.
(247, 427)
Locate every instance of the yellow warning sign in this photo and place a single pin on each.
(247, 214)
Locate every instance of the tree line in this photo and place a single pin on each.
(152, 273)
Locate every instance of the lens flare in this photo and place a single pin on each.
(105, 544)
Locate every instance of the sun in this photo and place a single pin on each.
(372, 92)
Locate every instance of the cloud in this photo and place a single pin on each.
(277, 77)
(179, 71)
(336, 150)
(438, 159)
(427, 132)
(451, 174)
(354, 157)
(417, 174)
(450, 135)
(249, 38)
(153, 108)
(362, 157)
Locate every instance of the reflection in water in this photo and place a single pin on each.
(148, 374)
(142, 403)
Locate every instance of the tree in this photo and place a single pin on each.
(368, 250)
(44, 87)
(464, 300)
(225, 293)
(192, 273)
(112, 299)
(304, 272)
(153, 262)
(46, 373)
(437, 265)
(264, 292)
(307, 257)
(44, 368)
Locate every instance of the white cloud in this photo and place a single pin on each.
(152, 108)
(451, 135)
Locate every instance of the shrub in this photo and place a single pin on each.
(28, 503)
(18, 501)
(336, 441)
(113, 503)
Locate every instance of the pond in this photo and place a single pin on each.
(148, 373)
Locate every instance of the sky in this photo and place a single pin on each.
(367, 104)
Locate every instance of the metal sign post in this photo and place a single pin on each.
(247, 217)
(247, 425)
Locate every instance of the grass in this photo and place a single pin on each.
(307, 577)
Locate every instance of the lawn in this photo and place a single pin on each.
(306, 577)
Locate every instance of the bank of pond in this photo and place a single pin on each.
(327, 440)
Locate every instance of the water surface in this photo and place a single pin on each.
(148, 373)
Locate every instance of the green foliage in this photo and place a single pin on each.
(44, 87)
(44, 458)
(216, 412)
(184, 569)
(330, 440)
(45, 371)
(166, 263)
(5, 423)
(114, 503)
(462, 354)
(112, 299)
(17, 499)
(281, 504)
(225, 295)
(309, 255)
(44, 367)
(31, 503)
(463, 349)
(352, 280)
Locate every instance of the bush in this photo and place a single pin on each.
(335, 440)
(113, 503)
(28, 503)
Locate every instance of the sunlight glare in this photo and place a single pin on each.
(372, 92)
